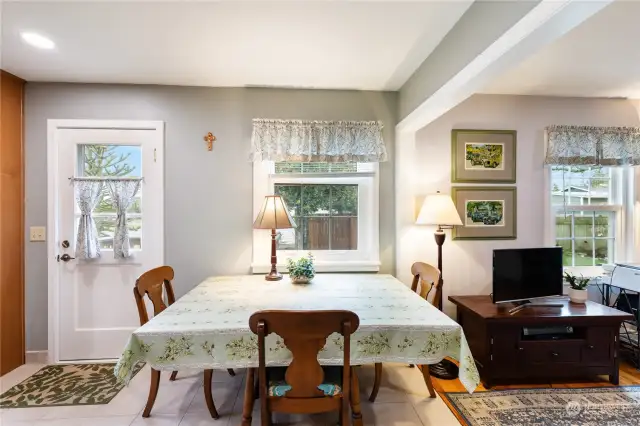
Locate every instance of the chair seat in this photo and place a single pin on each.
(279, 387)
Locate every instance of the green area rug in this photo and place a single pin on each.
(69, 384)
(611, 406)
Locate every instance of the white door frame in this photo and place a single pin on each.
(53, 184)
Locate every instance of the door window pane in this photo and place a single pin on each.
(106, 226)
(110, 160)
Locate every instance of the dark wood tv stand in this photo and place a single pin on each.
(503, 351)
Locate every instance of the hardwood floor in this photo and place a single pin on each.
(629, 375)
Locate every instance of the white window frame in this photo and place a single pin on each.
(367, 256)
(623, 197)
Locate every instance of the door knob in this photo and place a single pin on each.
(65, 258)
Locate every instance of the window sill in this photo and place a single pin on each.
(353, 266)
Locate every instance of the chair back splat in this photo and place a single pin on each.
(153, 283)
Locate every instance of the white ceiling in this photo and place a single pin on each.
(315, 44)
(599, 58)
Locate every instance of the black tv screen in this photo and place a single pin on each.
(520, 274)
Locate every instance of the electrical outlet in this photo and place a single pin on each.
(37, 233)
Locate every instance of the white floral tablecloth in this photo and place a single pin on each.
(209, 326)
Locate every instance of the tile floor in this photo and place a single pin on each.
(402, 401)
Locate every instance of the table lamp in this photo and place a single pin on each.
(438, 209)
(273, 215)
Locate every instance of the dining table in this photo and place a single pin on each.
(208, 328)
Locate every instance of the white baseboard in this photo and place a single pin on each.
(36, 357)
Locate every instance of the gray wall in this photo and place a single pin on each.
(208, 195)
(426, 167)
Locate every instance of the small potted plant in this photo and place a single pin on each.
(578, 287)
(301, 271)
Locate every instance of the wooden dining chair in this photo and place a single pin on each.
(304, 389)
(427, 283)
(154, 283)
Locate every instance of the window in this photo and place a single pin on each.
(326, 215)
(588, 204)
(335, 207)
(112, 161)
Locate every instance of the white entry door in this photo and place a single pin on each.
(92, 311)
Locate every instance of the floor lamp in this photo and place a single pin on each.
(438, 209)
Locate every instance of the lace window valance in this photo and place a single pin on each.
(592, 146)
(317, 141)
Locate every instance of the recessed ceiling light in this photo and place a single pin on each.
(37, 40)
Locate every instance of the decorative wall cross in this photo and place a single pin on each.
(209, 139)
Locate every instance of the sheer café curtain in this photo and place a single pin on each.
(89, 192)
(317, 141)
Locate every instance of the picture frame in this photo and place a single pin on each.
(487, 212)
(483, 156)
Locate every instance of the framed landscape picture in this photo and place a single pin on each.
(487, 156)
(487, 213)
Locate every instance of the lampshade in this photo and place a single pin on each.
(274, 214)
(438, 209)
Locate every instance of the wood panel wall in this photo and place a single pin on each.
(12, 338)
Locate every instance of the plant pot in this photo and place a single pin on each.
(577, 296)
(301, 280)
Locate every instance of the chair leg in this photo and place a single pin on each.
(247, 407)
(356, 413)
(174, 374)
(376, 382)
(208, 375)
(427, 379)
(153, 392)
(344, 411)
(231, 372)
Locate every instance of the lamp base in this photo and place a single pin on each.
(445, 370)
(273, 276)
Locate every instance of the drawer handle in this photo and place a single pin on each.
(521, 349)
(590, 347)
(554, 353)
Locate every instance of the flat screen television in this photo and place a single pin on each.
(522, 274)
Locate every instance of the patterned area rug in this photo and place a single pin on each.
(70, 384)
(611, 406)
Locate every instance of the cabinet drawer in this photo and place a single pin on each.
(596, 355)
(597, 349)
(556, 351)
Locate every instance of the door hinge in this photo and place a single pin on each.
(492, 340)
(155, 156)
(491, 357)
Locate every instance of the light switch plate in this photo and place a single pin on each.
(37, 233)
